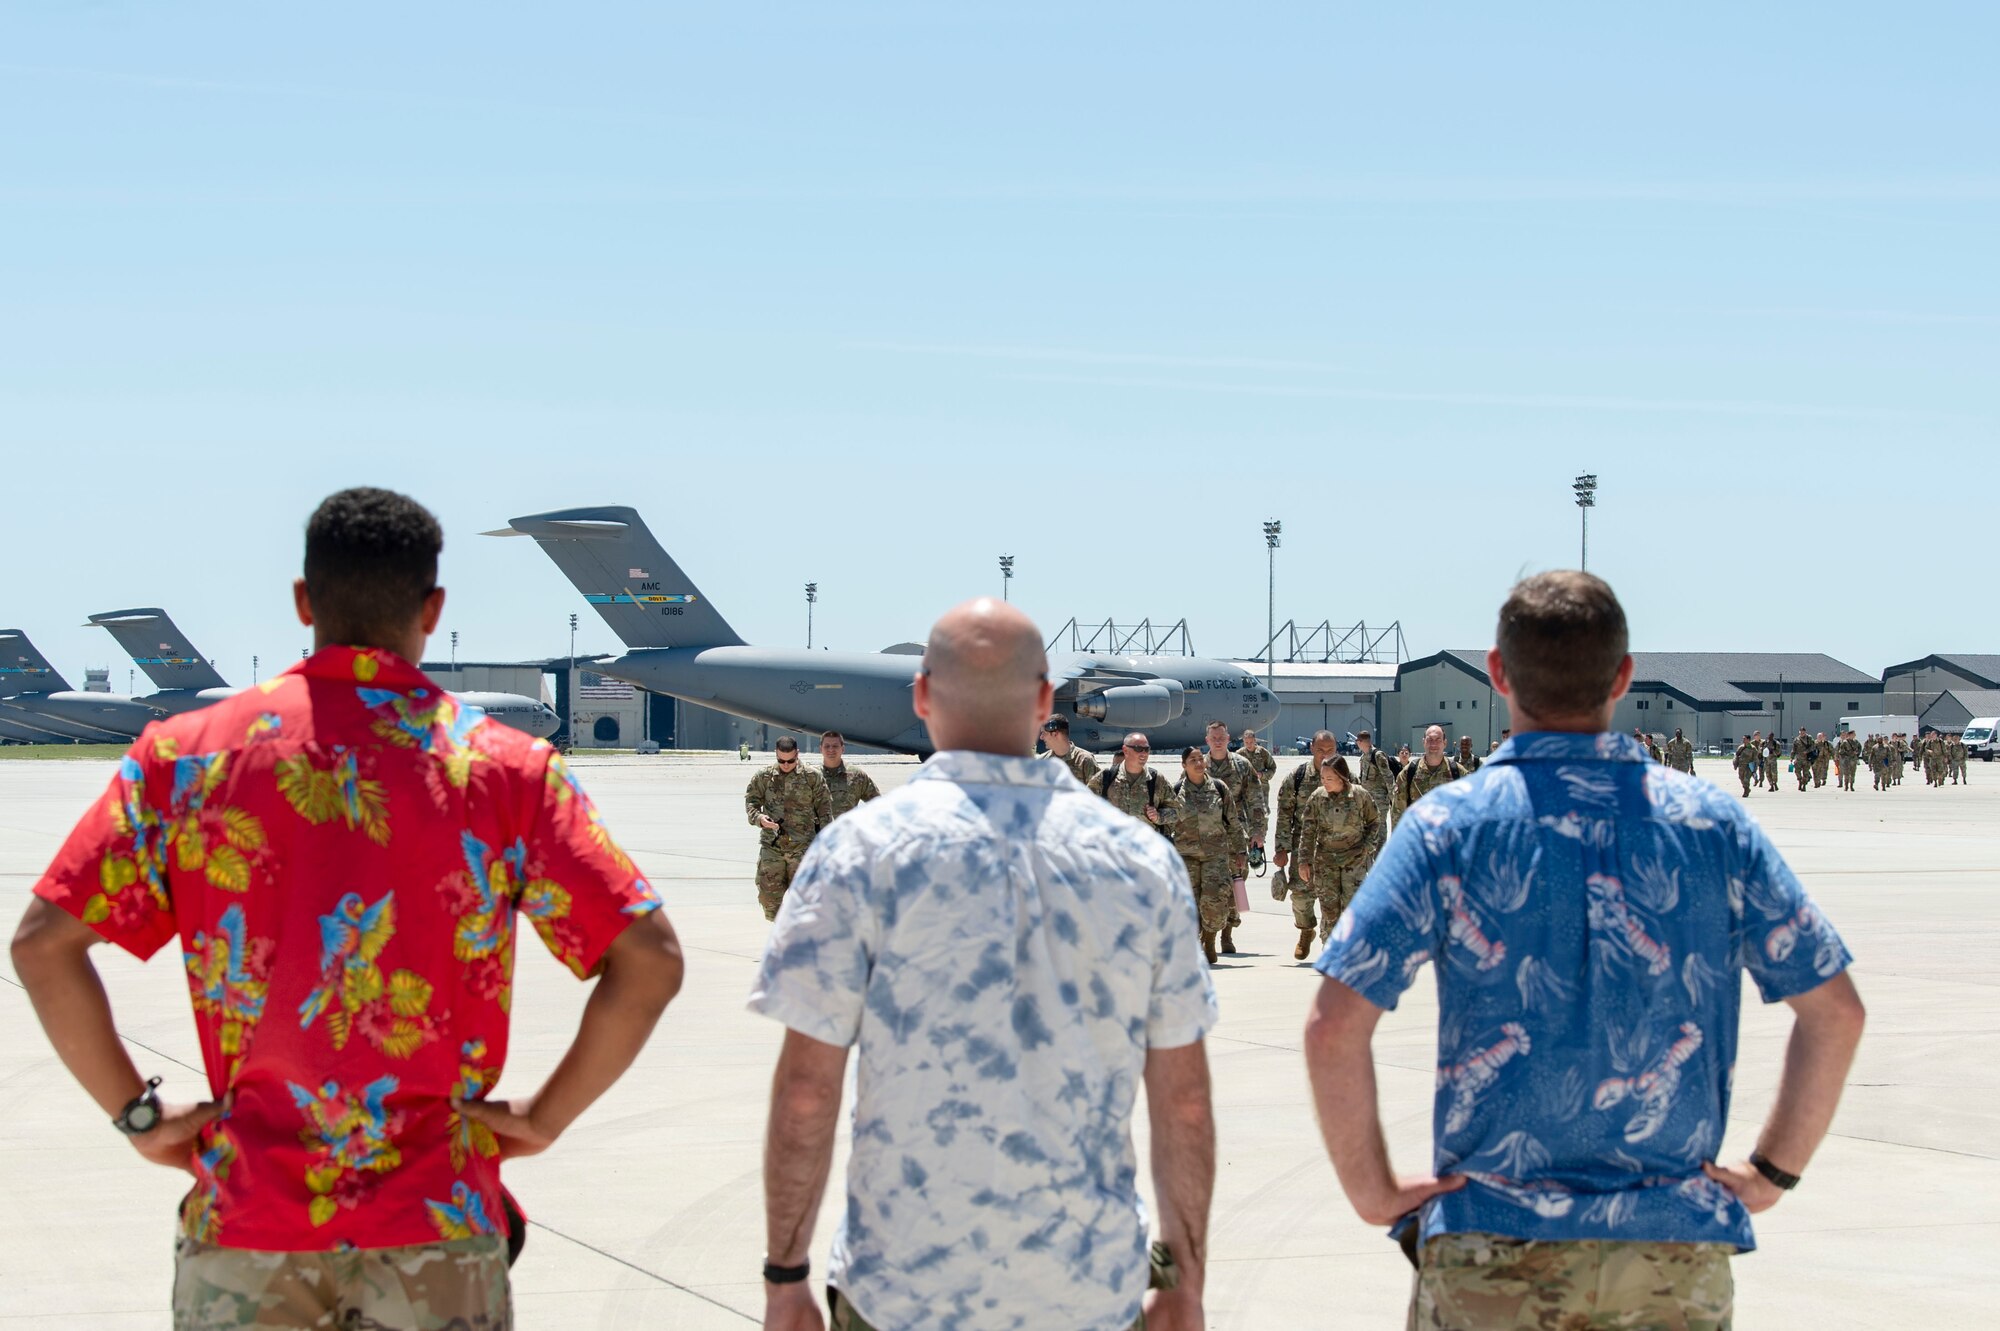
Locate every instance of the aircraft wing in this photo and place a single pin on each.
(1081, 677)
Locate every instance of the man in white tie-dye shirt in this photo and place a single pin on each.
(1011, 956)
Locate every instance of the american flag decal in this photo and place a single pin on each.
(637, 573)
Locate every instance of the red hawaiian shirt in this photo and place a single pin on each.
(344, 852)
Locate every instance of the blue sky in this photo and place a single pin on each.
(868, 294)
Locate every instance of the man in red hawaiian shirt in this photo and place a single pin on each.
(346, 853)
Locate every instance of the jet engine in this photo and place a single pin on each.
(1135, 706)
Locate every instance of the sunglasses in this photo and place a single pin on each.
(788, 762)
(1140, 748)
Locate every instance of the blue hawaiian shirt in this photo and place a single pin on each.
(1588, 912)
(1003, 947)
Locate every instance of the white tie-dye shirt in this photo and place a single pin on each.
(1005, 947)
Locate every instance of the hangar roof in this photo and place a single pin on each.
(1716, 679)
(1979, 667)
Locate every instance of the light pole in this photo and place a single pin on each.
(454, 651)
(571, 726)
(812, 598)
(1272, 529)
(253, 670)
(1586, 499)
(1006, 575)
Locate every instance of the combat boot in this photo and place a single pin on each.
(1208, 945)
(1305, 945)
(1228, 944)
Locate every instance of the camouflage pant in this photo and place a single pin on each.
(774, 874)
(1482, 1280)
(1331, 882)
(460, 1284)
(1212, 894)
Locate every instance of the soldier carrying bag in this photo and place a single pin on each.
(1153, 780)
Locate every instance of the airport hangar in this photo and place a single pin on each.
(1943, 690)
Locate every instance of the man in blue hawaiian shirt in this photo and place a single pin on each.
(1588, 913)
(1009, 956)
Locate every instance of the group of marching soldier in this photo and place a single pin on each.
(1942, 758)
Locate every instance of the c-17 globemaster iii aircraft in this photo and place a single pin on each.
(678, 644)
(186, 680)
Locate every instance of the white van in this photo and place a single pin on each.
(1980, 737)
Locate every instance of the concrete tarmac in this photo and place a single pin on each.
(649, 1211)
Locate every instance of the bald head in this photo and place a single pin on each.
(984, 683)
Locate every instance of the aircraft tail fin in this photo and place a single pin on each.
(611, 557)
(160, 649)
(23, 669)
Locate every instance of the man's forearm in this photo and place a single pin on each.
(798, 1156)
(633, 991)
(1350, 1119)
(1817, 1059)
(1183, 1157)
(51, 956)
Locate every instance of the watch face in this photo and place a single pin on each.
(142, 1116)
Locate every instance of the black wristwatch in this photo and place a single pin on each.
(143, 1114)
(787, 1275)
(1778, 1177)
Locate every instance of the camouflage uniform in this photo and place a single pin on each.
(1771, 762)
(847, 788)
(1468, 1280)
(1822, 758)
(1374, 775)
(1959, 753)
(1081, 764)
(1846, 754)
(1747, 761)
(1265, 765)
(1132, 794)
(798, 803)
(453, 1283)
(1804, 751)
(1899, 754)
(1877, 763)
(1293, 791)
(1334, 835)
(1680, 755)
(1206, 834)
(1468, 761)
(1248, 794)
(1419, 779)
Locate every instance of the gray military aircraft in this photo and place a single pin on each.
(36, 695)
(679, 644)
(187, 680)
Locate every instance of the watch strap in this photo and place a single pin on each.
(149, 1096)
(1778, 1178)
(787, 1275)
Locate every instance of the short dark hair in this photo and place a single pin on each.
(826, 735)
(371, 559)
(1057, 723)
(786, 745)
(1562, 638)
(1193, 751)
(1319, 735)
(1215, 725)
(1363, 734)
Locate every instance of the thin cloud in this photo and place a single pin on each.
(1532, 401)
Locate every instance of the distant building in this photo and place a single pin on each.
(1323, 695)
(1714, 697)
(1954, 707)
(1912, 688)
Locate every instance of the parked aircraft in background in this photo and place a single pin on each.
(34, 693)
(678, 644)
(187, 680)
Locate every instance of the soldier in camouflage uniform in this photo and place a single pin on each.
(1749, 760)
(788, 800)
(1334, 834)
(1470, 1279)
(1374, 775)
(1264, 765)
(1134, 788)
(1803, 753)
(1959, 753)
(1822, 758)
(1294, 791)
(1468, 761)
(1899, 757)
(1206, 834)
(1846, 756)
(1771, 752)
(845, 787)
(1055, 734)
(1680, 753)
(1425, 774)
(1235, 773)
(1876, 752)
(1652, 747)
